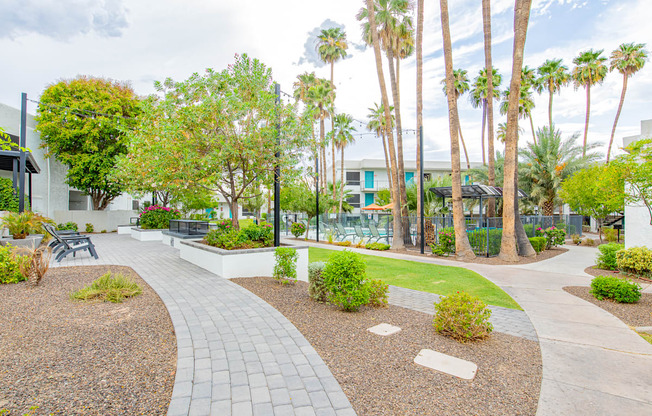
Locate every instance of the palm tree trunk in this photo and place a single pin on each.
(509, 243)
(550, 106)
(399, 133)
(534, 136)
(333, 157)
(486, 20)
(419, 53)
(484, 120)
(588, 111)
(342, 182)
(466, 154)
(620, 107)
(389, 171)
(462, 246)
(397, 239)
(323, 151)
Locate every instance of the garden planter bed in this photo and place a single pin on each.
(174, 239)
(239, 263)
(378, 373)
(142, 234)
(633, 314)
(90, 358)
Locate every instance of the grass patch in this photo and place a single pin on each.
(109, 288)
(432, 278)
(645, 336)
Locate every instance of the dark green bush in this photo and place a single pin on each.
(228, 238)
(607, 257)
(377, 246)
(538, 243)
(11, 265)
(8, 197)
(462, 317)
(285, 268)
(155, 217)
(378, 293)
(344, 279)
(478, 240)
(317, 291)
(68, 226)
(263, 233)
(635, 260)
(620, 290)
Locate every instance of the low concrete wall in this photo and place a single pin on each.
(638, 231)
(146, 235)
(101, 220)
(239, 263)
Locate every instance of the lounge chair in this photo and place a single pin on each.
(359, 233)
(341, 232)
(376, 234)
(69, 243)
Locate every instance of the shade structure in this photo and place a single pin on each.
(373, 207)
(388, 206)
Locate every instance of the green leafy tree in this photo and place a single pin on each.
(300, 197)
(596, 191)
(432, 205)
(82, 123)
(552, 76)
(590, 69)
(635, 167)
(628, 59)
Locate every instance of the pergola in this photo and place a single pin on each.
(10, 162)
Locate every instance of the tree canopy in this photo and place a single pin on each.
(82, 123)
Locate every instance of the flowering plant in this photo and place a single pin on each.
(538, 232)
(156, 217)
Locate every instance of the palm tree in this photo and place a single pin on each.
(461, 82)
(462, 246)
(547, 163)
(501, 134)
(371, 29)
(628, 59)
(552, 76)
(525, 106)
(491, 82)
(419, 53)
(478, 97)
(343, 137)
(376, 124)
(589, 70)
(322, 95)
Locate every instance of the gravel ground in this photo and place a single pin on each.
(632, 314)
(91, 358)
(378, 373)
(595, 271)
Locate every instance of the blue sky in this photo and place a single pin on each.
(143, 41)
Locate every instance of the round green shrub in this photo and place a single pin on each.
(538, 243)
(619, 290)
(635, 260)
(297, 229)
(607, 258)
(317, 291)
(344, 278)
(462, 317)
(155, 217)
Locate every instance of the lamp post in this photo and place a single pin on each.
(423, 223)
(277, 172)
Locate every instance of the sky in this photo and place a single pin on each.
(143, 41)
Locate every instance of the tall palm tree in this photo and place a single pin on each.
(590, 69)
(478, 97)
(501, 133)
(525, 106)
(371, 29)
(331, 47)
(376, 124)
(486, 28)
(628, 59)
(547, 163)
(462, 246)
(343, 137)
(529, 83)
(513, 242)
(322, 95)
(552, 76)
(461, 82)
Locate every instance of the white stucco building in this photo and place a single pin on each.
(638, 231)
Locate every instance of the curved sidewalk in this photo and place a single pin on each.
(236, 354)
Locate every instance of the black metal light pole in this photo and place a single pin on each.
(317, 191)
(423, 243)
(23, 145)
(277, 172)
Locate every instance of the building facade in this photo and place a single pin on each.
(638, 231)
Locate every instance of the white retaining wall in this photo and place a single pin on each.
(101, 220)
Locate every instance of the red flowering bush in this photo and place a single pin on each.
(155, 217)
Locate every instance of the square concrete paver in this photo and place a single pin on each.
(384, 329)
(446, 364)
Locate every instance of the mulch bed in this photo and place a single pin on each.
(92, 358)
(632, 314)
(595, 271)
(378, 373)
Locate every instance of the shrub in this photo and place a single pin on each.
(478, 240)
(377, 293)
(607, 257)
(539, 232)
(285, 268)
(343, 243)
(344, 278)
(68, 226)
(445, 242)
(155, 217)
(462, 317)
(12, 265)
(619, 290)
(109, 288)
(610, 234)
(554, 236)
(228, 238)
(262, 233)
(378, 246)
(588, 242)
(636, 260)
(316, 290)
(577, 240)
(297, 229)
(538, 243)
(8, 197)
(224, 225)
(89, 227)
(36, 264)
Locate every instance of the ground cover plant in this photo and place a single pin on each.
(72, 226)
(432, 278)
(109, 288)
(462, 317)
(614, 288)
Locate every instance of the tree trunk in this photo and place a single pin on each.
(534, 136)
(550, 106)
(397, 239)
(233, 205)
(620, 107)
(486, 20)
(399, 133)
(389, 171)
(484, 119)
(509, 243)
(466, 154)
(548, 208)
(588, 111)
(462, 246)
(419, 53)
(342, 182)
(333, 158)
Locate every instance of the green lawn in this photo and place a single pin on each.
(442, 280)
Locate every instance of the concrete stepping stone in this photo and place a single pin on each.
(447, 364)
(384, 329)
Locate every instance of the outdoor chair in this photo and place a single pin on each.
(360, 233)
(376, 234)
(69, 243)
(341, 232)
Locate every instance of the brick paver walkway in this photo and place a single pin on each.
(236, 354)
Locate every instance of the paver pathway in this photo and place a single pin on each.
(236, 354)
(593, 364)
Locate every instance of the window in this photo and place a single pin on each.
(135, 205)
(354, 200)
(353, 178)
(427, 176)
